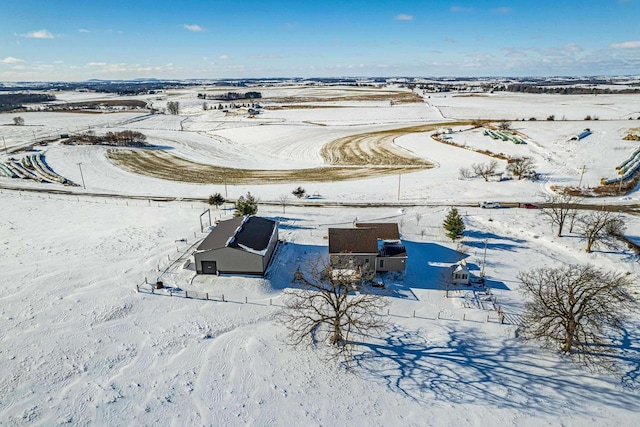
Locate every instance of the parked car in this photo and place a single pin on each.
(529, 206)
(489, 205)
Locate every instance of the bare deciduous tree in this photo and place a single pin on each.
(504, 125)
(18, 121)
(559, 208)
(485, 170)
(324, 309)
(517, 165)
(173, 107)
(598, 226)
(283, 199)
(465, 173)
(576, 308)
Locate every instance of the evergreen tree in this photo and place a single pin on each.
(246, 205)
(454, 225)
(216, 199)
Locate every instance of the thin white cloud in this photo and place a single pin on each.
(82, 30)
(631, 44)
(403, 17)
(39, 34)
(449, 40)
(503, 10)
(11, 60)
(572, 47)
(193, 28)
(460, 9)
(96, 64)
(223, 57)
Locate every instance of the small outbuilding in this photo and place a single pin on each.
(460, 273)
(242, 245)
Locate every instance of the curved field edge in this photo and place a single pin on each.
(378, 148)
(354, 157)
(162, 165)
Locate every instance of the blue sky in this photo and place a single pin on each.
(79, 40)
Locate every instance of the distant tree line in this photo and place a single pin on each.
(565, 90)
(231, 96)
(125, 138)
(15, 101)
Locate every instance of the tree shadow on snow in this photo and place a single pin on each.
(493, 241)
(470, 369)
(428, 263)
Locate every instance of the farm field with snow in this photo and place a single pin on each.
(81, 346)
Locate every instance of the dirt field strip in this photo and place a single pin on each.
(159, 164)
(377, 148)
(354, 157)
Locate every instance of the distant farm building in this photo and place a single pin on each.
(369, 247)
(242, 245)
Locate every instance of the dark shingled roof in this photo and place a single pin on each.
(353, 240)
(384, 230)
(248, 232)
(395, 251)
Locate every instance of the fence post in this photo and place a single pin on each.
(270, 302)
(387, 311)
(414, 313)
(245, 300)
(186, 294)
(168, 259)
(222, 297)
(463, 316)
(138, 288)
(487, 319)
(438, 314)
(207, 294)
(145, 280)
(170, 292)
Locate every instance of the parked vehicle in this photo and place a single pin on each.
(529, 206)
(489, 205)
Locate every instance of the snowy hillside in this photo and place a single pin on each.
(80, 345)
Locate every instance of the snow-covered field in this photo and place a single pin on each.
(80, 346)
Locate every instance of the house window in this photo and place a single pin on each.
(366, 260)
(381, 263)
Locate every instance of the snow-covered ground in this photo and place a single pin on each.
(80, 346)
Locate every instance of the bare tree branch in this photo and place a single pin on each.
(576, 309)
(326, 309)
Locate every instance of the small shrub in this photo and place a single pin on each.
(299, 192)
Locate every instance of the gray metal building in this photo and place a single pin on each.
(242, 245)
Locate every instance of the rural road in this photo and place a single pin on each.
(631, 208)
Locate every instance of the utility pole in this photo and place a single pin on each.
(484, 258)
(620, 186)
(399, 177)
(82, 176)
(5, 146)
(224, 174)
(584, 168)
